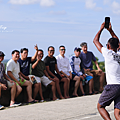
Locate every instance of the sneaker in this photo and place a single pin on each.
(15, 104)
(41, 101)
(1, 107)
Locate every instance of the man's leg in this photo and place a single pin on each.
(103, 112)
(117, 113)
(0, 90)
(65, 86)
(68, 87)
(53, 90)
(77, 79)
(28, 84)
(36, 89)
(40, 91)
(101, 80)
(18, 90)
(91, 85)
(13, 92)
(58, 87)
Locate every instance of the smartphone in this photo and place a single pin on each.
(107, 21)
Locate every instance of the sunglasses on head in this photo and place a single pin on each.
(62, 49)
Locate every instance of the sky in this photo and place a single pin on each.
(25, 23)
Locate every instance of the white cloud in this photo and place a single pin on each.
(90, 4)
(47, 3)
(116, 7)
(22, 2)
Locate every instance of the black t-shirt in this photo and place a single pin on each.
(51, 63)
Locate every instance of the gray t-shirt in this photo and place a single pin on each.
(2, 71)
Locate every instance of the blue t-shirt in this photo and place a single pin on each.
(25, 66)
(86, 60)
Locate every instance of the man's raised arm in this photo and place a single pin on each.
(97, 37)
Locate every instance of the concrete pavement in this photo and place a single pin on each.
(79, 108)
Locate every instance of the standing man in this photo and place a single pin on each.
(52, 69)
(64, 68)
(86, 63)
(112, 67)
(13, 71)
(25, 62)
(41, 75)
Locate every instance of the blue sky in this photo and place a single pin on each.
(24, 23)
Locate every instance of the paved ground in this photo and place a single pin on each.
(80, 108)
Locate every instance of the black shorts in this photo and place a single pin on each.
(110, 93)
(57, 75)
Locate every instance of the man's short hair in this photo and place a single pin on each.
(114, 43)
(51, 47)
(83, 44)
(15, 51)
(61, 46)
(40, 50)
(23, 49)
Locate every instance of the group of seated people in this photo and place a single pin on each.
(50, 71)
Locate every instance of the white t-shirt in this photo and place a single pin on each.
(63, 64)
(112, 66)
(14, 68)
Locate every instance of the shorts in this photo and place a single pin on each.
(43, 79)
(7, 83)
(73, 75)
(57, 75)
(110, 93)
(22, 82)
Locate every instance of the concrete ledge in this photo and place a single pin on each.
(47, 92)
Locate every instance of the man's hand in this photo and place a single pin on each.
(11, 81)
(102, 26)
(84, 75)
(110, 27)
(36, 47)
(3, 87)
(19, 83)
(100, 71)
(81, 77)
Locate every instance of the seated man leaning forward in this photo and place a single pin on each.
(13, 71)
(40, 73)
(25, 62)
(75, 62)
(86, 60)
(7, 83)
(64, 68)
(51, 67)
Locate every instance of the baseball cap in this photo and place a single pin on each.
(77, 48)
(83, 44)
(2, 54)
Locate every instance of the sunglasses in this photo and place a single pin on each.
(78, 50)
(62, 49)
(51, 50)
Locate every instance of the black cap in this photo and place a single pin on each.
(77, 48)
(2, 54)
(83, 44)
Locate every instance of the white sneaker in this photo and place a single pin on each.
(15, 104)
(42, 101)
(1, 107)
